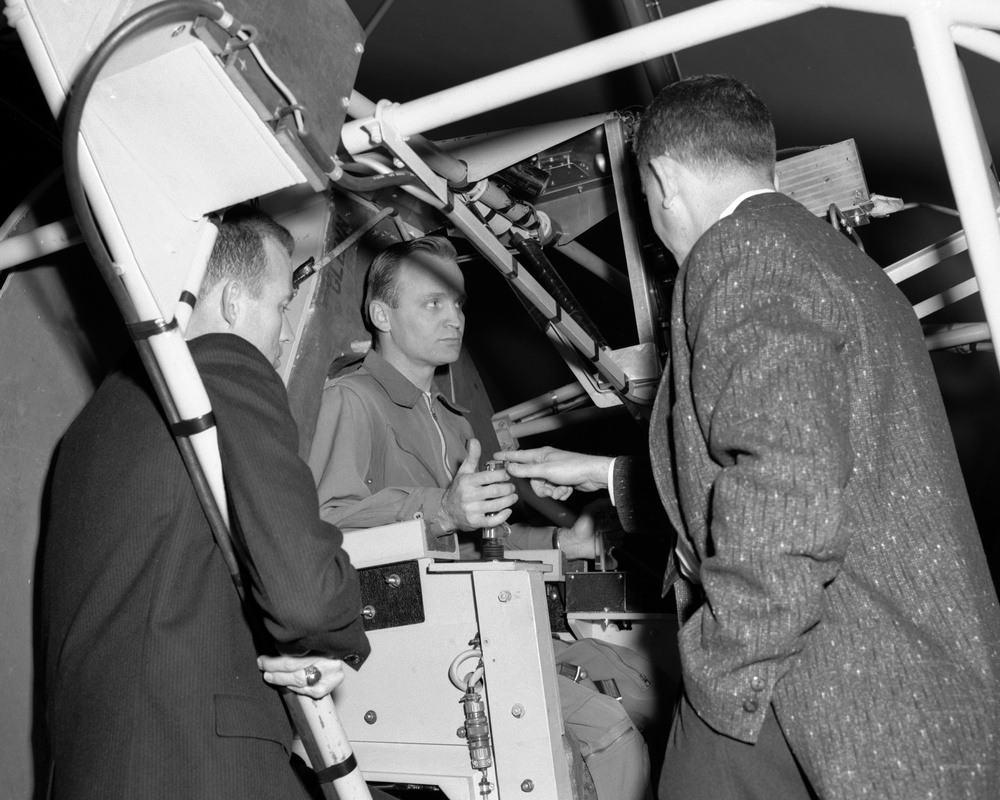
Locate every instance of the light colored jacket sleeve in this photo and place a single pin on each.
(344, 450)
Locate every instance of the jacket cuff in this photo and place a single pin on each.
(735, 703)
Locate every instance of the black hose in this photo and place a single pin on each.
(537, 263)
(372, 183)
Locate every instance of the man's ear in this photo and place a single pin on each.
(377, 313)
(232, 302)
(664, 171)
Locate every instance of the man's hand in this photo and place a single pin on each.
(472, 495)
(555, 473)
(596, 530)
(294, 672)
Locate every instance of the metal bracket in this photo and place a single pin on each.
(386, 130)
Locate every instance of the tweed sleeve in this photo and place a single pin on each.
(296, 569)
(769, 378)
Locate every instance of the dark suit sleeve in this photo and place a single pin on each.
(636, 497)
(299, 575)
(772, 397)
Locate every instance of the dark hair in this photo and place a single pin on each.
(382, 282)
(714, 122)
(239, 249)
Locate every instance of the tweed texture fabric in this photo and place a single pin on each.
(800, 443)
(151, 683)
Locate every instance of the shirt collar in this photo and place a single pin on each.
(399, 388)
(735, 204)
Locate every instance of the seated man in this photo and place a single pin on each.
(388, 447)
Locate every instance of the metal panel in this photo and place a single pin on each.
(825, 176)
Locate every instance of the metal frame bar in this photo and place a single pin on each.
(936, 29)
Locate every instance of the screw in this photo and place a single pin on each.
(460, 733)
(504, 596)
(178, 30)
(345, 101)
(359, 48)
(368, 612)
(370, 717)
(517, 711)
(394, 581)
(527, 785)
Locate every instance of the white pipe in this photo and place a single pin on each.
(956, 335)
(986, 43)
(521, 430)
(952, 295)
(619, 50)
(963, 151)
(39, 242)
(981, 13)
(195, 276)
(928, 257)
(18, 214)
(545, 402)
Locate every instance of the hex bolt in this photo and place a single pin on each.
(370, 717)
(504, 596)
(527, 785)
(460, 733)
(359, 48)
(517, 711)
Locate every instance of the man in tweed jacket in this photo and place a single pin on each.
(840, 629)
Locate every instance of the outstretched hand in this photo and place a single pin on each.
(472, 495)
(555, 473)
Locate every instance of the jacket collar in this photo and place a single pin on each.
(399, 388)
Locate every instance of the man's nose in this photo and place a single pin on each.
(286, 329)
(455, 318)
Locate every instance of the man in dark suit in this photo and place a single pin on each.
(840, 631)
(152, 687)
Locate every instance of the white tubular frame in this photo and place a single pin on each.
(936, 26)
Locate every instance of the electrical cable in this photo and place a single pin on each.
(462, 657)
(532, 256)
(247, 36)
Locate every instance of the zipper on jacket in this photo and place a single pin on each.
(444, 444)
